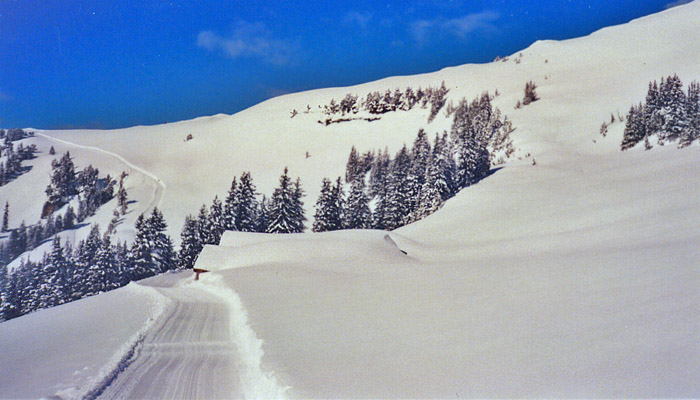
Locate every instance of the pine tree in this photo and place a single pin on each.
(6, 217)
(163, 255)
(88, 277)
(298, 207)
(420, 156)
(653, 119)
(141, 253)
(692, 131)
(358, 214)
(247, 205)
(395, 211)
(353, 167)
(53, 290)
(286, 212)
(635, 130)
(217, 222)
(63, 181)
(11, 306)
(190, 246)
(231, 206)
(328, 209)
(263, 215)
(122, 195)
(673, 109)
(69, 218)
(103, 269)
(204, 226)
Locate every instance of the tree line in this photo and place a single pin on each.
(95, 265)
(390, 100)
(668, 114)
(388, 192)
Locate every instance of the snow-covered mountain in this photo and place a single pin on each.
(576, 276)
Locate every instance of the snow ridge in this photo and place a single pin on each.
(157, 195)
(125, 355)
(257, 384)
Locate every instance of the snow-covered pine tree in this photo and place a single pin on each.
(635, 130)
(420, 157)
(122, 195)
(378, 173)
(141, 254)
(395, 209)
(163, 255)
(204, 226)
(89, 277)
(63, 182)
(353, 167)
(247, 205)
(357, 212)
(284, 207)
(263, 215)
(328, 209)
(9, 290)
(298, 207)
(53, 287)
(673, 109)
(104, 263)
(653, 119)
(231, 206)
(217, 222)
(190, 246)
(692, 112)
(123, 263)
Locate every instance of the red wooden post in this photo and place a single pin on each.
(198, 271)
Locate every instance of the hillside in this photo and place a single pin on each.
(571, 271)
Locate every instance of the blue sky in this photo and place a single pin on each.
(111, 64)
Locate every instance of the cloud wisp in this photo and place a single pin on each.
(461, 27)
(250, 40)
(358, 18)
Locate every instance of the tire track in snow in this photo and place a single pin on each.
(187, 354)
(160, 188)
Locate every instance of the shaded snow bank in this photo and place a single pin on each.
(73, 349)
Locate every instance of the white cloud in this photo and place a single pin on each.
(250, 40)
(677, 3)
(361, 19)
(460, 27)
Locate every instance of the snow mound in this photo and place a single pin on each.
(327, 250)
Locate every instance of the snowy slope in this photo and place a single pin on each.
(575, 277)
(580, 81)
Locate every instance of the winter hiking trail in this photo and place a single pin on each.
(200, 347)
(159, 192)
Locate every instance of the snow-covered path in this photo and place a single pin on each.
(188, 353)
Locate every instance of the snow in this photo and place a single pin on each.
(574, 277)
(71, 350)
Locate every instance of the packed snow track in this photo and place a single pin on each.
(188, 353)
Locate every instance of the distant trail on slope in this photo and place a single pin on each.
(188, 354)
(160, 189)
